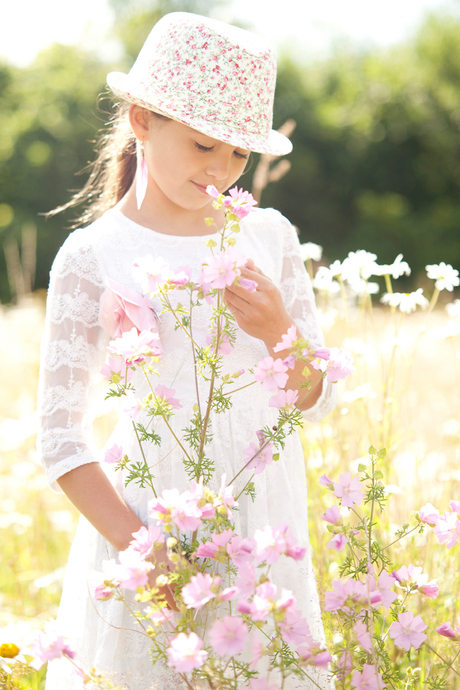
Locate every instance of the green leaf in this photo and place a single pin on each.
(362, 468)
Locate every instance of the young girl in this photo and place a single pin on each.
(197, 101)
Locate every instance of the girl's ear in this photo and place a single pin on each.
(139, 121)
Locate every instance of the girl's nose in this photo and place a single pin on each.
(219, 166)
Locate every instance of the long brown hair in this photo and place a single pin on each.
(112, 173)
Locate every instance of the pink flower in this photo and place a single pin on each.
(246, 580)
(284, 399)
(241, 202)
(345, 665)
(271, 374)
(363, 637)
(114, 454)
(369, 679)
(181, 277)
(134, 570)
(115, 369)
(455, 506)
(228, 594)
(430, 589)
(446, 630)
(447, 529)
(408, 631)
(270, 544)
(338, 542)
(159, 616)
(384, 586)
(225, 346)
(429, 514)
(257, 651)
(131, 407)
(413, 578)
(287, 601)
(348, 490)
(182, 509)
(154, 271)
(322, 660)
(240, 550)
(325, 481)
(135, 347)
(186, 653)
(145, 539)
(102, 592)
(338, 365)
(212, 191)
(332, 515)
(123, 309)
(261, 457)
(219, 271)
(167, 394)
(48, 645)
(199, 590)
(249, 285)
(229, 635)
(217, 544)
(286, 339)
(351, 592)
(294, 628)
(262, 602)
(225, 500)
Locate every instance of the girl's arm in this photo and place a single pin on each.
(263, 315)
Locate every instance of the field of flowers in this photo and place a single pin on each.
(404, 396)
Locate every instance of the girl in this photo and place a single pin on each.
(198, 99)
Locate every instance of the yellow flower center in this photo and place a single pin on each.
(9, 650)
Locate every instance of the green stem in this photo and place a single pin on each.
(145, 460)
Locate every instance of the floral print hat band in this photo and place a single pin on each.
(211, 76)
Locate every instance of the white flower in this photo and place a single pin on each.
(356, 265)
(445, 276)
(310, 250)
(396, 269)
(324, 280)
(362, 287)
(407, 302)
(453, 309)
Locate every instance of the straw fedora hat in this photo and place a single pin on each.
(211, 76)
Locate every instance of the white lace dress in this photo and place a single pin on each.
(74, 349)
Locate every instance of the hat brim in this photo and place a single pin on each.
(276, 144)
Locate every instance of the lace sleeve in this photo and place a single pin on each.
(299, 300)
(72, 350)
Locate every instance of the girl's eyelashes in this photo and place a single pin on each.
(206, 149)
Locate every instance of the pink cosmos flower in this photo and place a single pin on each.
(257, 651)
(430, 589)
(322, 660)
(338, 542)
(270, 544)
(182, 509)
(325, 481)
(413, 578)
(123, 309)
(186, 653)
(134, 570)
(261, 457)
(284, 399)
(212, 191)
(351, 592)
(167, 394)
(249, 285)
(215, 545)
(407, 632)
(294, 628)
(363, 637)
(446, 630)
(181, 276)
(286, 602)
(114, 454)
(116, 367)
(159, 616)
(338, 365)
(49, 644)
(290, 361)
(429, 514)
(241, 550)
(229, 635)
(219, 271)
(136, 347)
(382, 587)
(242, 202)
(455, 506)
(246, 580)
(225, 498)
(369, 679)
(332, 515)
(287, 339)
(447, 529)
(271, 374)
(102, 592)
(228, 594)
(199, 590)
(262, 602)
(145, 539)
(348, 490)
(130, 406)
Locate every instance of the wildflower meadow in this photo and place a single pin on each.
(384, 497)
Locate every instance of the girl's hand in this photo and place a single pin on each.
(262, 313)
(160, 557)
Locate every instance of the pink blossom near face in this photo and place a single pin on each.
(429, 514)
(123, 309)
(407, 631)
(145, 539)
(167, 394)
(363, 636)
(294, 628)
(332, 515)
(212, 191)
(186, 653)
(271, 373)
(242, 202)
(286, 339)
(447, 529)
(338, 542)
(135, 347)
(114, 454)
(115, 366)
(49, 644)
(369, 679)
(229, 635)
(348, 490)
(284, 399)
(199, 590)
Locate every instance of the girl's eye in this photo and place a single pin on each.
(203, 148)
(245, 156)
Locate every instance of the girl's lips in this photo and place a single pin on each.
(201, 188)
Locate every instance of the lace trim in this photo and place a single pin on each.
(80, 308)
(81, 262)
(77, 354)
(52, 441)
(73, 399)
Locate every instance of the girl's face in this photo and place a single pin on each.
(183, 162)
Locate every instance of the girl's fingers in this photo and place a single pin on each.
(235, 302)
